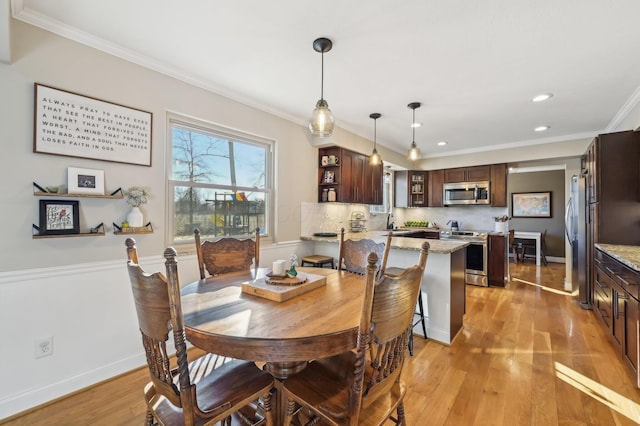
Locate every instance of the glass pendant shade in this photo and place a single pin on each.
(322, 121)
(414, 151)
(375, 158)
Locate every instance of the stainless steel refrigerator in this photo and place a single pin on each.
(576, 230)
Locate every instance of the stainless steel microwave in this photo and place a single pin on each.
(466, 193)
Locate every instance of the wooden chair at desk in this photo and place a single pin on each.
(528, 245)
(353, 253)
(227, 254)
(221, 387)
(514, 246)
(363, 387)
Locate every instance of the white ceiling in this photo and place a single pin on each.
(474, 65)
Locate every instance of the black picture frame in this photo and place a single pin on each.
(59, 217)
(531, 204)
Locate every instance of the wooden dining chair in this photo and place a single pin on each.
(208, 390)
(227, 254)
(353, 253)
(364, 386)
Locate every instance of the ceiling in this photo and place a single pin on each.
(474, 65)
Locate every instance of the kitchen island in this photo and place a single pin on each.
(443, 287)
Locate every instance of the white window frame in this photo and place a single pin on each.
(223, 132)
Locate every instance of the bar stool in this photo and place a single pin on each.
(393, 271)
(317, 261)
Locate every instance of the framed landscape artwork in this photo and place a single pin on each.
(531, 204)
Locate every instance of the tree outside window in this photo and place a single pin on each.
(220, 182)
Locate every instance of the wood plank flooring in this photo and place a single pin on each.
(527, 355)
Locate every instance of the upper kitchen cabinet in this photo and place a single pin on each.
(467, 174)
(354, 179)
(410, 188)
(498, 185)
(436, 188)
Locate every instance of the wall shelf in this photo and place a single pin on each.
(82, 234)
(147, 229)
(117, 194)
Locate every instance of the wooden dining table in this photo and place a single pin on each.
(220, 318)
(285, 335)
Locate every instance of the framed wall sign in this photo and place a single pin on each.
(74, 125)
(58, 217)
(531, 204)
(85, 181)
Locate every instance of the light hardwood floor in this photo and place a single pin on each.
(527, 355)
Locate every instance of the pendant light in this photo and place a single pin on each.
(375, 158)
(321, 124)
(414, 151)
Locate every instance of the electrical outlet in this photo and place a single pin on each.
(43, 347)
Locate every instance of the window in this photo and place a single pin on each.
(220, 180)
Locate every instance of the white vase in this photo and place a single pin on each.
(135, 217)
(500, 227)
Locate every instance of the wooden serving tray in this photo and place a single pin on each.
(285, 291)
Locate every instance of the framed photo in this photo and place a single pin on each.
(74, 125)
(59, 217)
(85, 181)
(531, 204)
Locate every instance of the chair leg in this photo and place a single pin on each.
(420, 313)
(421, 306)
(401, 416)
(149, 421)
(411, 343)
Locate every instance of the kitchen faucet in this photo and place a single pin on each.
(389, 223)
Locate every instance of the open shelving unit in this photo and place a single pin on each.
(97, 231)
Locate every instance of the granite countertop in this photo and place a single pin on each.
(397, 242)
(628, 255)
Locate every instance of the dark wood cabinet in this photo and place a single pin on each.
(616, 305)
(497, 259)
(436, 186)
(467, 174)
(352, 177)
(613, 186)
(498, 185)
(410, 188)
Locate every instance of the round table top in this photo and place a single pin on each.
(220, 318)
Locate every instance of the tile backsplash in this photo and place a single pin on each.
(330, 217)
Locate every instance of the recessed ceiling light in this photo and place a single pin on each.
(541, 128)
(442, 143)
(416, 124)
(542, 97)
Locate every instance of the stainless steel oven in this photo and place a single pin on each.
(475, 271)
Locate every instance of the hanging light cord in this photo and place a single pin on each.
(375, 127)
(322, 78)
(413, 126)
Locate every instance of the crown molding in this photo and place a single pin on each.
(626, 109)
(36, 19)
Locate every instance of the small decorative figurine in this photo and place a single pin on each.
(292, 270)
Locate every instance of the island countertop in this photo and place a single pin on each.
(629, 255)
(397, 242)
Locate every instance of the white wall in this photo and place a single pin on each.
(76, 289)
